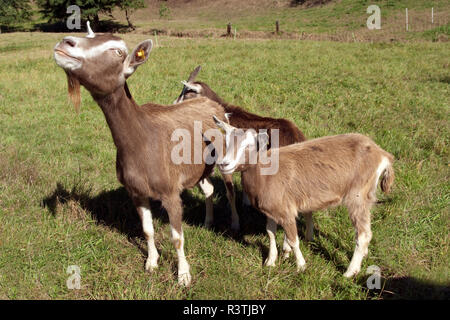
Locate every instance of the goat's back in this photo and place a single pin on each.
(171, 127)
(319, 173)
(288, 131)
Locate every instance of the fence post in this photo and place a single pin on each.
(432, 15)
(229, 29)
(406, 19)
(277, 27)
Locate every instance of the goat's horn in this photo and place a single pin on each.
(91, 33)
(194, 73)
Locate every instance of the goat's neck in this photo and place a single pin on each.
(122, 115)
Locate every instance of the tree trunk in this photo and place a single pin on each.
(129, 21)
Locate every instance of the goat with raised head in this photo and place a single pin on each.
(287, 133)
(141, 134)
(313, 175)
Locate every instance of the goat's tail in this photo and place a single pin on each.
(387, 178)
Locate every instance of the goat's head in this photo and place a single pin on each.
(194, 89)
(239, 146)
(100, 62)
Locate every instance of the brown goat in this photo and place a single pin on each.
(288, 133)
(141, 134)
(313, 175)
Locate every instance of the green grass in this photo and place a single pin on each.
(61, 205)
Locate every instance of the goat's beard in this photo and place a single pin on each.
(73, 85)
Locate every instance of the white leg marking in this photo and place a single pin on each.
(309, 226)
(147, 226)
(184, 276)
(361, 250)
(208, 189)
(381, 167)
(271, 228)
(286, 248)
(301, 264)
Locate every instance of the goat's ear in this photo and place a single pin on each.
(263, 140)
(228, 116)
(137, 57)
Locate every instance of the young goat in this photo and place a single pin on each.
(312, 175)
(141, 134)
(288, 133)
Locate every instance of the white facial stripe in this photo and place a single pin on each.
(78, 52)
(234, 161)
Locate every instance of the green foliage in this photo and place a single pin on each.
(14, 11)
(164, 11)
(435, 33)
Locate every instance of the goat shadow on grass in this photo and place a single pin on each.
(115, 209)
(401, 288)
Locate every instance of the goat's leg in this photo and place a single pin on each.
(309, 226)
(231, 195)
(174, 209)
(290, 228)
(143, 209)
(286, 248)
(208, 189)
(360, 217)
(271, 228)
(245, 200)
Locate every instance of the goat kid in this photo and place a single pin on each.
(141, 134)
(287, 132)
(313, 175)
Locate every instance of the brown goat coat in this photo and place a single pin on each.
(315, 175)
(240, 118)
(142, 137)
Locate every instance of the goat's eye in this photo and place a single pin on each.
(118, 52)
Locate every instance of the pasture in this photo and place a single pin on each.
(61, 204)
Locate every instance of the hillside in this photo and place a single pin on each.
(335, 20)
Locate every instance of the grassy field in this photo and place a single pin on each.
(61, 205)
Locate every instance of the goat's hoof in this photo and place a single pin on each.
(301, 268)
(351, 273)
(269, 263)
(286, 255)
(184, 279)
(151, 265)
